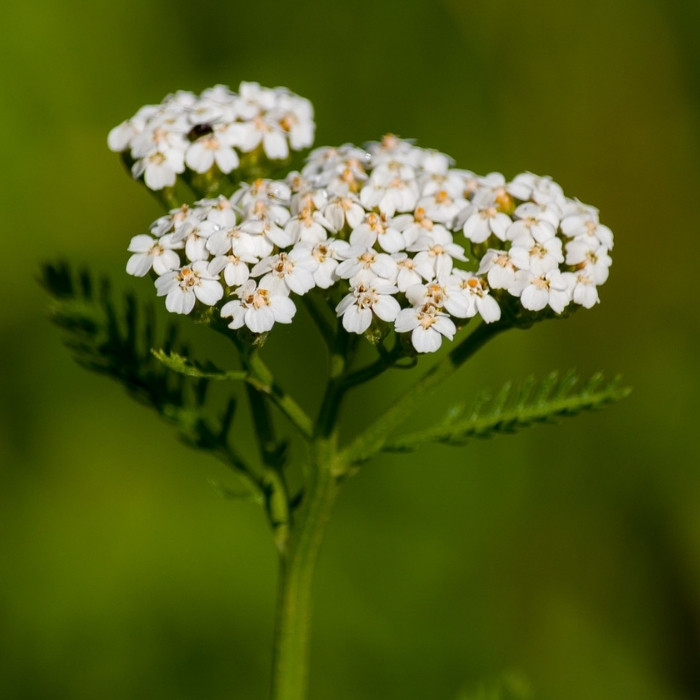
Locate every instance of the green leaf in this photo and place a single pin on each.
(190, 368)
(513, 409)
(114, 337)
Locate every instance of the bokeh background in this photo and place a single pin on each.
(567, 558)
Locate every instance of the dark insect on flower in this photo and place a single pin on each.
(199, 130)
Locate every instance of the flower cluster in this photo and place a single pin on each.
(391, 235)
(193, 132)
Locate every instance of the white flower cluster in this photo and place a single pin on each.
(212, 129)
(390, 234)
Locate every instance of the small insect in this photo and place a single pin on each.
(199, 130)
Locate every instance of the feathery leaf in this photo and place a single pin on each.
(116, 340)
(514, 409)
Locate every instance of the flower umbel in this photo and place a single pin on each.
(357, 227)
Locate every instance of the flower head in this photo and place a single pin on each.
(390, 233)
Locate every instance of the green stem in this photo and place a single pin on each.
(376, 435)
(297, 565)
(262, 379)
(272, 455)
(320, 313)
(326, 423)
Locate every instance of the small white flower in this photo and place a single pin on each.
(397, 194)
(288, 272)
(436, 253)
(219, 211)
(440, 206)
(258, 308)
(376, 228)
(173, 220)
(368, 298)
(449, 296)
(427, 326)
(480, 223)
(194, 234)
(339, 170)
(235, 268)
(149, 253)
(238, 241)
(303, 195)
(296, 117)
(207, 150)
(539, 291)
(587, 228)
(588, 255)
(327, 255)
(162, 136)
(247, 136)
(541, 190)
(407, 274)
(432, 162)
(452, 182)
(480, 301)
(539, 257)
(358, 259)
(533, 221)
(492, 190)
(413, 226)
(270, 192)
(583, 289)
(120, 136)
(308, 226)
(499, 269)
(160, 168)
(344, 210)
(181, 288)
(253, 99)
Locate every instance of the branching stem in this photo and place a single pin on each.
(374, 437)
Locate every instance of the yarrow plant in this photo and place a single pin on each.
(389, 243)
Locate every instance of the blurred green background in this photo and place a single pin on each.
(568, 556)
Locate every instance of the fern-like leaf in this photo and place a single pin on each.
(116, 339)
(512, 409)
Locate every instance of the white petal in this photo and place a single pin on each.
(141, 243)
(167, 260)
(488, 308)
(426, 339)
(260, 320)
(476, 229)
(275, 145)
(500, 224)
(283, 308)
(534, 298)
(235, 274)
(180, 301)
(199, 158)
(406, 320)
(363, 237)
(444, 325)
(209, 292)
(386, 307)
(157, 177)
(226, 159)
(356, 320)
(300, 281)
(139, 264)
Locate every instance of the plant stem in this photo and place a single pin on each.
(375, 436)
(297, 565)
